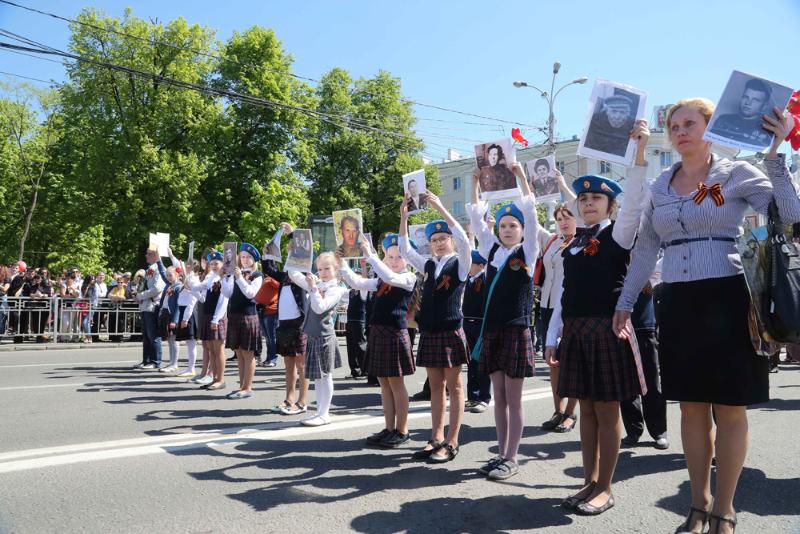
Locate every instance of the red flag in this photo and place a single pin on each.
(794, 110)
(517, 136)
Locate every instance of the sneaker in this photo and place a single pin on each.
(149, 366)
(503, 470)
(168, 369)
(662, 443)
(185, 373)
(479, 407)
(315, 421)
(489, 466)
(376, 438)
(240, 395)
(271, 364)
(629, 441)
(394, 440)
(139, 366)
(203, 380)
(470, 404)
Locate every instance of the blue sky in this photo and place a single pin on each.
(465, 55)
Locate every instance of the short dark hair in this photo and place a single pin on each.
(758, 85)
(541, 162)
(500, 155)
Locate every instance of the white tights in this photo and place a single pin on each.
(324, 391)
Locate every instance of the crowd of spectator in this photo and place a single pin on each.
(88, 303)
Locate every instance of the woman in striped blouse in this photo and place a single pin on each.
(707, 359)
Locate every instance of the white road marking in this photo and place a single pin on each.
(91, 452)
(100, 385)
(60, 364)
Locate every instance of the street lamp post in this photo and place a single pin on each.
(551, 98)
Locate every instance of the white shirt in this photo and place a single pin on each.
(287, 307)
(323, 297)
(553, 263)
(404, 280)
(463, 249)
(249, 288)
(102, 290)
(487, 239)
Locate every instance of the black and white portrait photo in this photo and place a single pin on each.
(300, 252)
(417, 233)
(414, 188)
(740, 111)
(494, 160)
(542, 176)
(614, 110)
(229, 261)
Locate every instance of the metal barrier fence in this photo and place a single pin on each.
(60, 319)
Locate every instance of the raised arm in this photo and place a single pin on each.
(355, 281)
(226, 285)
(320, 302)
(476, 212)
(249, 288)
(298, 279)
(463, 246)
(569, 194)
(624, 232)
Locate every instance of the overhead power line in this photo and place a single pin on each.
(219, 58)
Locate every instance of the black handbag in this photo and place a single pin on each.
(781, 299)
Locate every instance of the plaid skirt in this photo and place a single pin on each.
(388, 352)
(442, 349)
(183, 334)
(322, 356)
(244, 332)
(290, 338)
(509, 349)
(207, 334)
(596, 364)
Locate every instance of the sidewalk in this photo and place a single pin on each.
(8, 346)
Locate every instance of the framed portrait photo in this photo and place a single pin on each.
(414, 188)
(494, 160)
(542, 177)
(300, 253)
(348, 227)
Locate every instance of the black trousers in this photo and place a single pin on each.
(356, 346)
(650, 409)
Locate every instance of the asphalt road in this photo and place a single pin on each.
(89, 445)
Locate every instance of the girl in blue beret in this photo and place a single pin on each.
(442, 346)
(243, 326)
(594, 366)
(389, 356)
(505, 348)
(214, 327)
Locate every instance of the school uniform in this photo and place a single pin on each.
(322, 347)
(594, 363)
(290, 338)
(215, 309)
(355, 333)
(442, 343)
(244, 330)
(388, 351)
(506, 344)
(169, 303)
(478, 383)
(184, 312)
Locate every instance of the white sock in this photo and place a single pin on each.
(324, 390)
(191, 349)
(173, 351)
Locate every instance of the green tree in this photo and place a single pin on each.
(363, 148)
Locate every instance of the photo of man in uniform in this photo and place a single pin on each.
(745, 126)
(612, 122)
(416, 202)
(349, 228)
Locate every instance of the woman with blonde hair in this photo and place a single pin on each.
(708, 361)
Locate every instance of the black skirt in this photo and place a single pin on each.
(184, 334)
(705, 349)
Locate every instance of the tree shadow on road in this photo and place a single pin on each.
(497, 513)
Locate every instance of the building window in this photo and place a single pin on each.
(561, 166)
(666, 159)
(605, 167)
(458, 208)
(456, 183)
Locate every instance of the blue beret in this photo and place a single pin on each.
(437, 227)
(211, 256)
(596, 184)
(477, 258)
(392, 240)
(509, 209)
(250, 249)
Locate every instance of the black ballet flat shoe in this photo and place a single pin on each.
(553, 422)
(570, 503)
(424, 454)
(584, 508)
